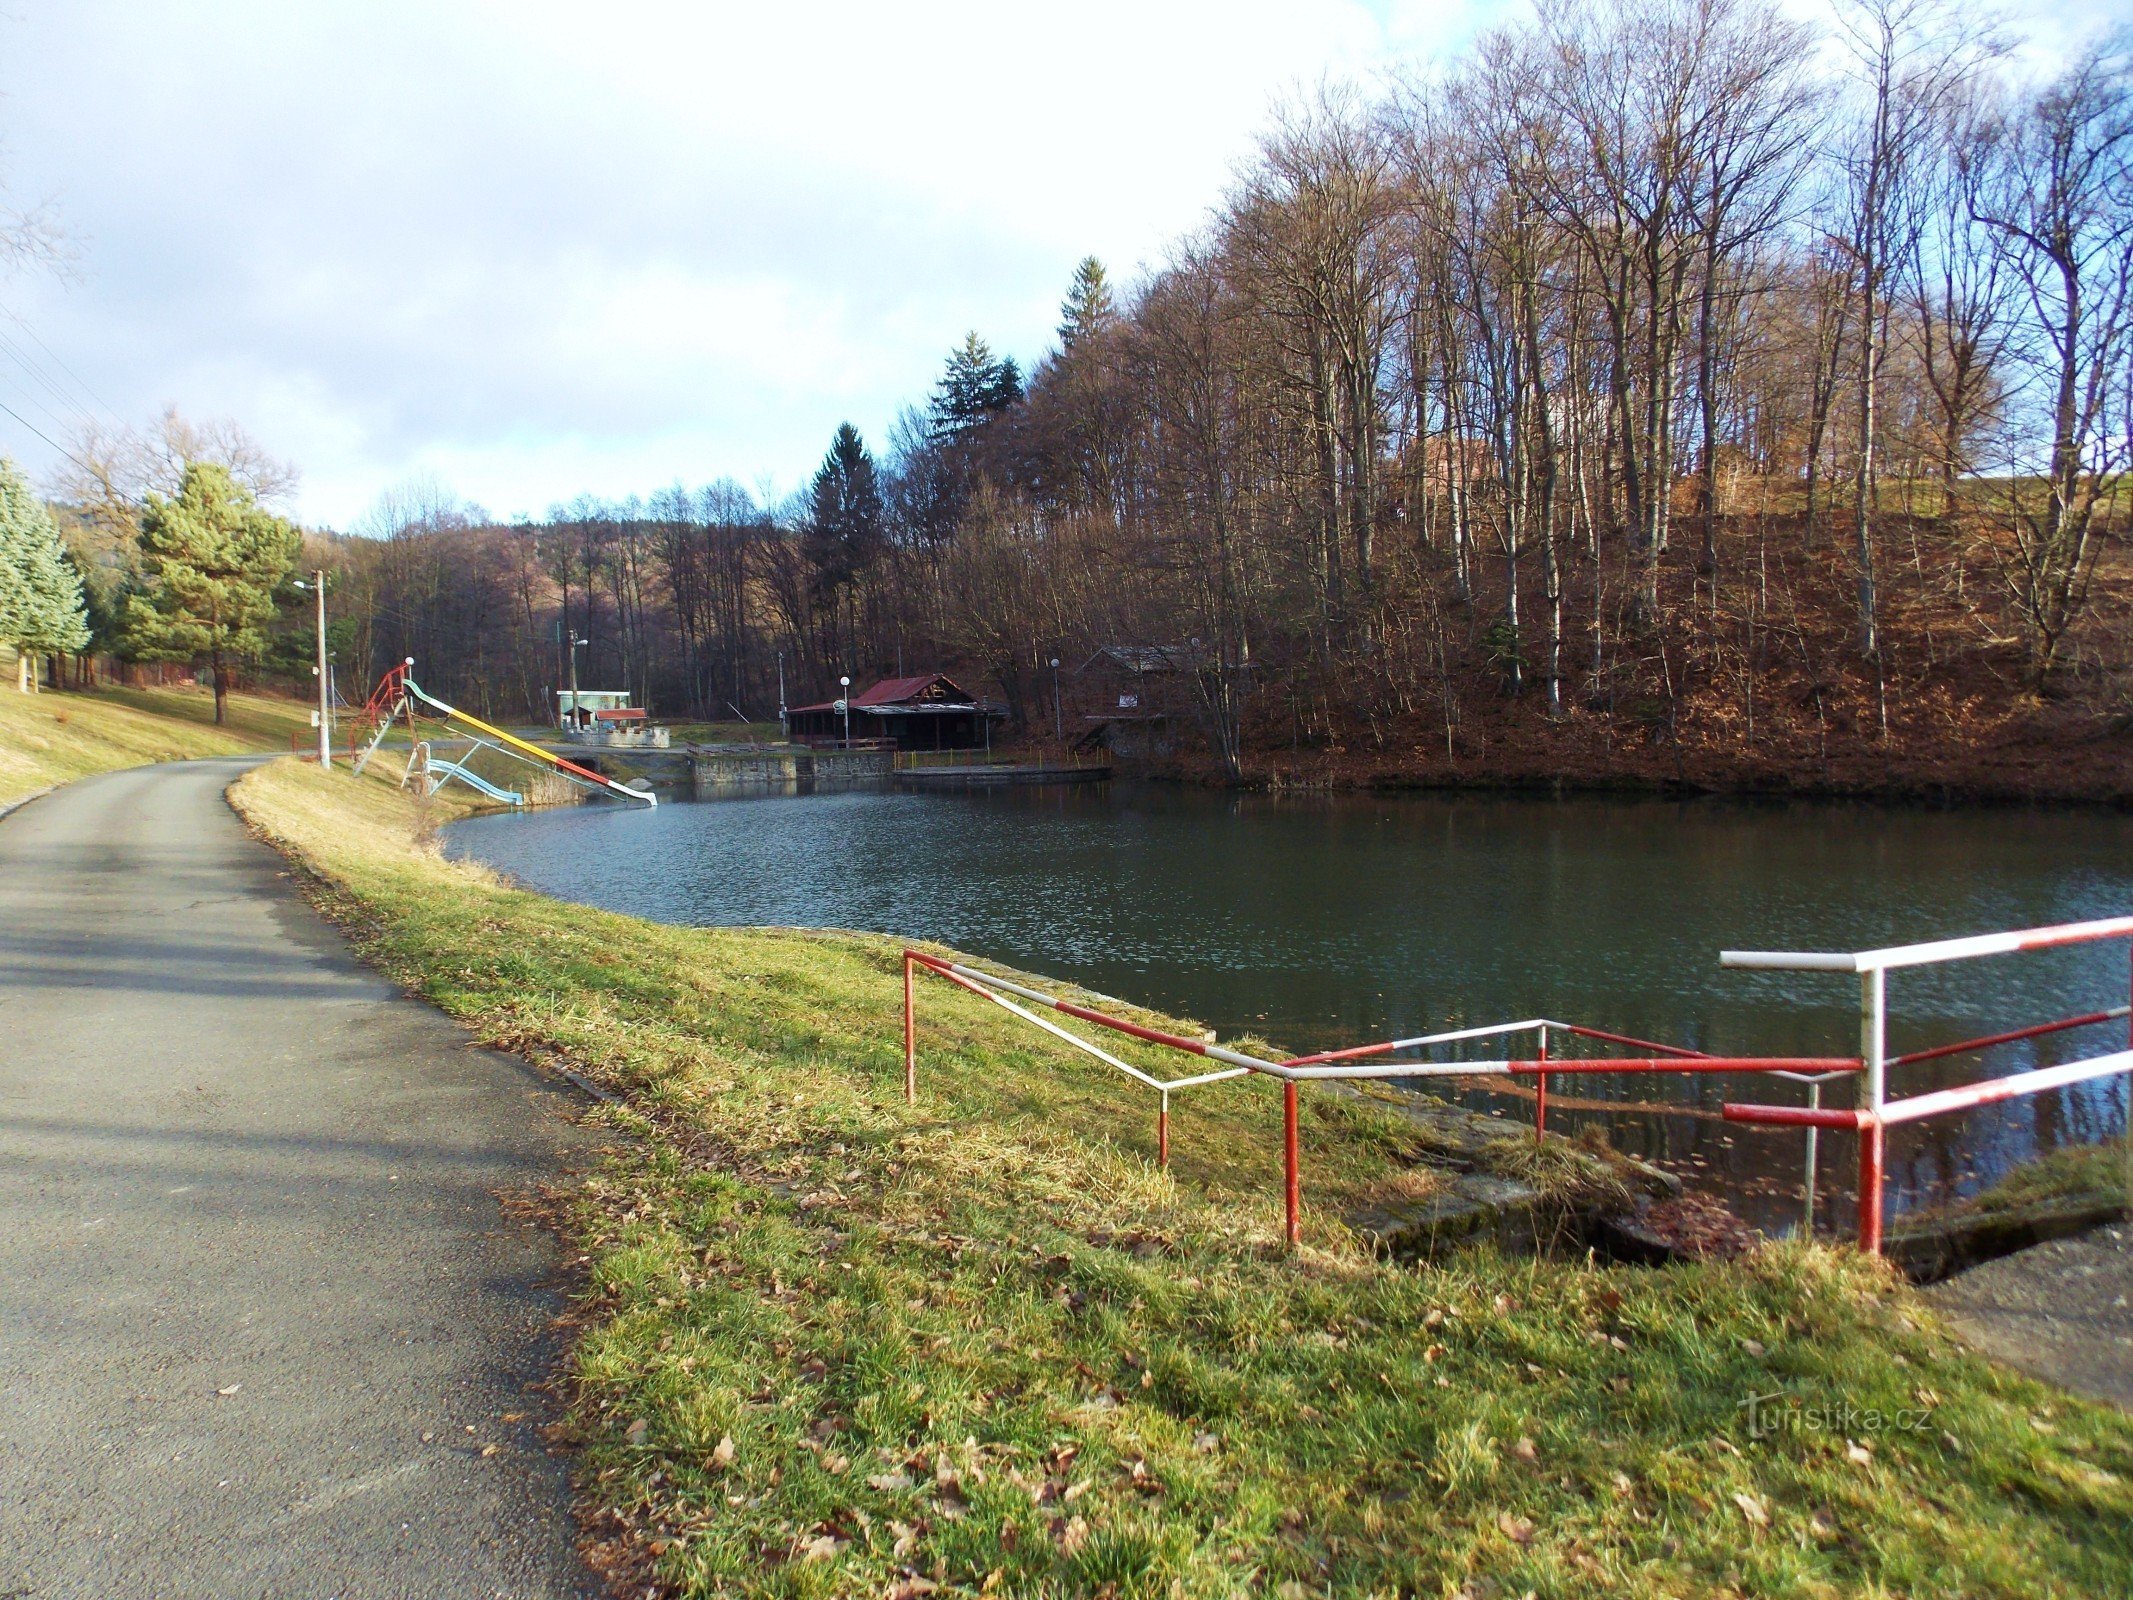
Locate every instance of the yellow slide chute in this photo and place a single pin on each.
(399, 690)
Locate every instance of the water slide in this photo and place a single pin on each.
(435, 773)
(398, 691)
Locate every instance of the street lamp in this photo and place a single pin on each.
(1058, 722)
(844, 705)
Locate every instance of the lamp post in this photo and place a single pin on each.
(1058, 721)
(325, 704)
(844, 704)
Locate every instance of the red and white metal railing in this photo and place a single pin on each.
(1359, 1062)
(1877, 1114)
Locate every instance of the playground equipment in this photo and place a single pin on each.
(398, 694)
(1395, 1058)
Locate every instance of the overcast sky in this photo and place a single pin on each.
(529, 250)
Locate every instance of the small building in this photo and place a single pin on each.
(928, 712)
(1141, 692)
(581, 710)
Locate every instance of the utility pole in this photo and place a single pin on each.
(324, 716)
(325, 691)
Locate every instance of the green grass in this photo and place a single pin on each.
(832, 1344)
(2077, 1172)
(57, 736)
(726, 733)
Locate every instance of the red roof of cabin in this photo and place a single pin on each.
(895, 691)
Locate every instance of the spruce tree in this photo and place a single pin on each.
(41, 610)
(1087, 307)
(845, 517)
(210, 560)
(974, 388)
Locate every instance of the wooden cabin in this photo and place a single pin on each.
(930, 711)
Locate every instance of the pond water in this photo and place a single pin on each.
(1327, 921)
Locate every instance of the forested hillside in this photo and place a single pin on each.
(1656, 391)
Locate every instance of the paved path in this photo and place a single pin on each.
(265, 1329)
(2061, 1311)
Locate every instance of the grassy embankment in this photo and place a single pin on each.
(60, 735)
(2101, 1172)
(833, 1344)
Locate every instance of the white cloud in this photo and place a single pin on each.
(537, 248)
(544, 248)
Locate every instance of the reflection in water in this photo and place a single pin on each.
(1332, 920)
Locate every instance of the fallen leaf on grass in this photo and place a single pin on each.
(1526, 1450)
(1752, 1508)
(889, 1482)
(822, 1548)
(1519, 1530)
(636, 1431)
(722, 1454)
(1859, 1455)
(1070, 1534)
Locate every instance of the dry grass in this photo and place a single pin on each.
(60, 735)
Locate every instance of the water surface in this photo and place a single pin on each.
(1334, 920)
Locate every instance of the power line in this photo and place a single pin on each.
(46, 437)
(80, 382)
(42, 377)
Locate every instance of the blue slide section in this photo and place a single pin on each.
(441, 770)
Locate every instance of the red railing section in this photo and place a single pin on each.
(1384, 1058)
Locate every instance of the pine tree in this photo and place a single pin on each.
(41, 610)
(1087, 307)
(210, 561)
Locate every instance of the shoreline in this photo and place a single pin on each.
(835, 1342)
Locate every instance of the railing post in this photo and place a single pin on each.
(910, 1037)
(1814, 1153)
(1540, 1099)
(1162, 1134)
(1293, 1181)
(1873, 1138)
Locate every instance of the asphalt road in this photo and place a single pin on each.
(266, 1328)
